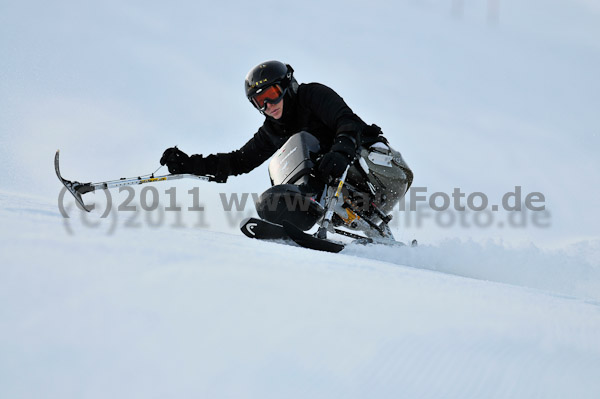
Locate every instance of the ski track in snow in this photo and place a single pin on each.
(194, 313)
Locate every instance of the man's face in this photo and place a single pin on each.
(275, 111)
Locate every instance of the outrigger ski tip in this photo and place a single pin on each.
(77, 189)
(73, 187)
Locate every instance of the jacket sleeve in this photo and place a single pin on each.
(332, 110)
(252, 154)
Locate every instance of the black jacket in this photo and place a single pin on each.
(315, 108)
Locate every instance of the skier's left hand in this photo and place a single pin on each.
(334, 163)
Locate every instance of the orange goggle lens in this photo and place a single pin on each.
(271, 94)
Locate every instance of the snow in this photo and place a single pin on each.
(481, 96)
(196, 313)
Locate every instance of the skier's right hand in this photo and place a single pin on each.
(179, 162)
(176, 160)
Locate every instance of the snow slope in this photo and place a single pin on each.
(481, 96)
(185, 313)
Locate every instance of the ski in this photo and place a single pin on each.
(288, 233)
(387, 243)
(262, 229)
(309, 241)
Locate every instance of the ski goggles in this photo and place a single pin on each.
(269, 95)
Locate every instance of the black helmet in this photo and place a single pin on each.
(268, 74)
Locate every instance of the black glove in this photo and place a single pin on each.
(334, 163)
(176, 160)
(179, 162)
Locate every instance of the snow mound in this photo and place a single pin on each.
(573, 271)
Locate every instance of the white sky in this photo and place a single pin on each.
(472, 104)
